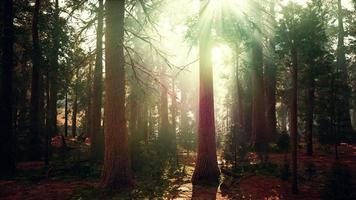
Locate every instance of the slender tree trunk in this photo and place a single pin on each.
(96, 134)
(206, 169)
(75, 106)
(133, 112)
(117, 165)
(53, 75)
(47, 117)
(164, 132)
(7, 139)
(174, 120)
(270, 84)
(66, 112)
(294, 118)
(310, 112)
(88, 115)
(35, 96)
(174, 110)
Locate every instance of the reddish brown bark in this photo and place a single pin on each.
(206, 169)
(117, 165)
(259, 139)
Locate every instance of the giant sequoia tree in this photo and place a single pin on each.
(206, 169)
(259, 138)
(117, 166)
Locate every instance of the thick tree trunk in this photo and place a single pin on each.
(206, 169)
(117, 165)
(35, 152)
(7, 139)
(96, 134)
(259, 139)
(294, 119)
(258, 132)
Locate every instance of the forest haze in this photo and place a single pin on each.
(178, 99)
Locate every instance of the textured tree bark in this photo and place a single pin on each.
(259, 140)
(7, 139)
(294, 118)
(258, 131)
(95, 130)
(117, 165)
(35, 152)
(206, 169)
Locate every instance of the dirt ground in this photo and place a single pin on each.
(252, 186)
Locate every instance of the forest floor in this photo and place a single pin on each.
(35, 181)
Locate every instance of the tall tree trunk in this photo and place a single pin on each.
(258, 109)
(164, 132)
(174, 110)
(258, 132)
(7, 139)
(310, 111)
(53, 75)
(75, 105)
(117, 171)
(270, 84)
(96, 134)
(206, 169)
(35, 92)
(294, 118)
(47, 117)
(133, 112)
(89, 88)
